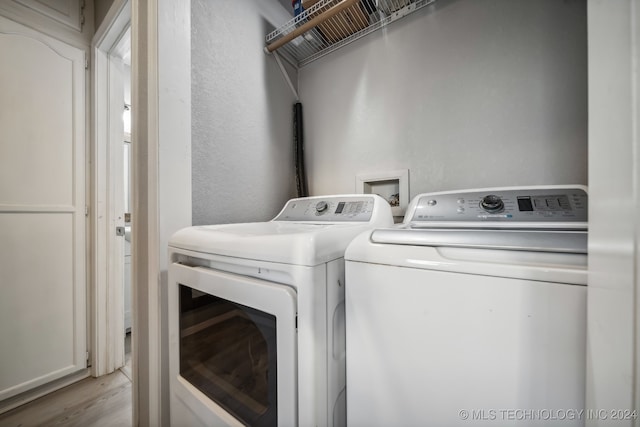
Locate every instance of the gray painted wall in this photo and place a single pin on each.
(464, 94)
(242, 109)
(101, 7)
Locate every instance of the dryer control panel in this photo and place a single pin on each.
(329, 209)
(519, 205)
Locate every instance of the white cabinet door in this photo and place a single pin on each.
(67, 12)
(43, 319)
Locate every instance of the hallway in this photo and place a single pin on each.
(104, 401)
(92, 402)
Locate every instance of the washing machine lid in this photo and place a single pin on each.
(519, 256)
(308, 231)
(556, 241)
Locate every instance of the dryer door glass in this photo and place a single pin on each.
(228, 352)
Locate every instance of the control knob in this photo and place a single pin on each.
(321, 206)
(492, 203)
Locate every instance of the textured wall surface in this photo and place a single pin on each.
(466, 93)
(242, 114)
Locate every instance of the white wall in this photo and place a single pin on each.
(242, 112)
(465, 93)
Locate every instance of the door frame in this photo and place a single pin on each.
(161, 133)
(107, 195)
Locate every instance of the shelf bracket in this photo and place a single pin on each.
(286, 75)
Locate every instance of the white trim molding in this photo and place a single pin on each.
(613, 341)
(161, 138)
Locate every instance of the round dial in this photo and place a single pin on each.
(321, 206)
(492, 203)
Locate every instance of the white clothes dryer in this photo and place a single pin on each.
(472, 312)
(256, 315)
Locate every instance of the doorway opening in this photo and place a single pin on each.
(112, 159)
(128, 209)
(121, 157)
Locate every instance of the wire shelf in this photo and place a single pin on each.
(327, 25)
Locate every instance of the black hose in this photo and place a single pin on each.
(298, 131)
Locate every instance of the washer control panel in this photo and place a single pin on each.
(329, 209)
(545, 204)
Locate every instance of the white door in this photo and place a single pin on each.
(42, 209)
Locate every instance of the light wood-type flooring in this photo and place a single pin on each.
(92, 402)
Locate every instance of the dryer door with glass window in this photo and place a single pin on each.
(233, 346)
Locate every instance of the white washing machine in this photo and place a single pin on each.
(472, 312)
(256, 315)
